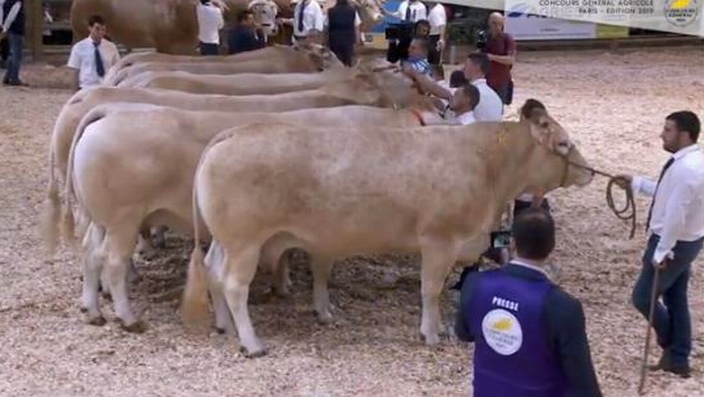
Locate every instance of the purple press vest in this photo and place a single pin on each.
(512, 358)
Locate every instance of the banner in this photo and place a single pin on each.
(524, 26)
(675, 16)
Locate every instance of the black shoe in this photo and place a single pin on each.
(665, 364)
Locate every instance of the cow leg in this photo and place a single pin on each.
(120, 243)
(92, 265)
(241, 265)
(215, 262)
(321, 268)
(282, 278)
(439, 255)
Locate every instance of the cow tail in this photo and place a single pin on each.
(69, 224)
(194, 305)
(52, 208)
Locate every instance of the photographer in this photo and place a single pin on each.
(530, 336)
(400, 37)
(501, 50)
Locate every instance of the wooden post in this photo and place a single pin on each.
(35, 24)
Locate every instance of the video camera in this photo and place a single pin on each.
(481, 39)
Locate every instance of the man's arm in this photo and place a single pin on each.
(426, 84)
(11, 16)
(566, 325)
(74, 63)
(675, 215)
(510, 56)
(400, 12)
(461, 327)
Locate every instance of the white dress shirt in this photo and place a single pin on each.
(437, 18)
(466, 118)
(490, 106)
(313, 18)
(210, 21)
(11, 16)
(418, 11)
(82, 57)
(678, 210)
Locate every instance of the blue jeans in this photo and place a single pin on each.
(671, 320)
(12, 75)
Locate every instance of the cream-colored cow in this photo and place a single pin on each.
(360, 89)
(339, 191)
(132, 167)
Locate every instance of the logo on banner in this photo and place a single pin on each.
(681, 12)
(502, 332)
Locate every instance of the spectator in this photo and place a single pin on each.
(13, 27)
(418, 57)
(210, 21)
(436, 41)
(408, 11)
(245, 36)
(343, 30)
(530, 336)
(501, 51)
(92, 56)
(308, 21)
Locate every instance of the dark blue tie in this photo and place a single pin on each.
(300, 16)
(650, 211)
(98, 61)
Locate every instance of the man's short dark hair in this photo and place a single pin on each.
(472, 93)
(243, 15)
(534, 234)
(480, 59)
(95, 19)
(458, 79)
(686, 121)
(531, 106)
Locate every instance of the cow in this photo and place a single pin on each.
(274, 53)
(313, 62)
(336, 192)
(171, 26)
(236, 84)
(149, 155)
(361, 88)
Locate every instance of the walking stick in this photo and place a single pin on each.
(653, 298)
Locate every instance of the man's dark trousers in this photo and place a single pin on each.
(433, 53)
(12, 75)
(341, 32)
(672, 320)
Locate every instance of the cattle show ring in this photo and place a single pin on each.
(275, 223)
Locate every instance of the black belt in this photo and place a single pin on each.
(297, 37)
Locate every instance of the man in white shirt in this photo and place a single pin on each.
(210, 21)
(437, 18)
(93, 56)
(490, 106)
(308, 21)
(676, 223)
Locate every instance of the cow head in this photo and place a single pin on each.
(369, 12)
(560, 162)
(322, 58)
(265, 12)
(359, 88)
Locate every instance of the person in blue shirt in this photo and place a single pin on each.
(529, 335)
(418, 57)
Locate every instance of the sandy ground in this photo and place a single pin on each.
(613, 104)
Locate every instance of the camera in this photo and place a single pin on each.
(481, 39)
(500, 239)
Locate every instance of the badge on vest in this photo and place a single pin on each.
(502, 332)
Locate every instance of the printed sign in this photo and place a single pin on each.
(502, 332)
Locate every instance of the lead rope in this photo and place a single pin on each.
(628, 212)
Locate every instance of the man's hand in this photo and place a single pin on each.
(623, 181)
(221, 5)
(665, 262)
(440, 45)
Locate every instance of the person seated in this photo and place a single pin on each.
(245, 36)
(418, 57)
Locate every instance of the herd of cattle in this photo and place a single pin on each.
(275, 149)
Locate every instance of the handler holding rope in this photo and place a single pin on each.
(676, 222)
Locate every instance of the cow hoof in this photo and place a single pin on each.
(431, 340)
(106, 296)
(221, 331)
(324, 318)
(253, 353)
(83, 310)
(137, 327)
(98, 321)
